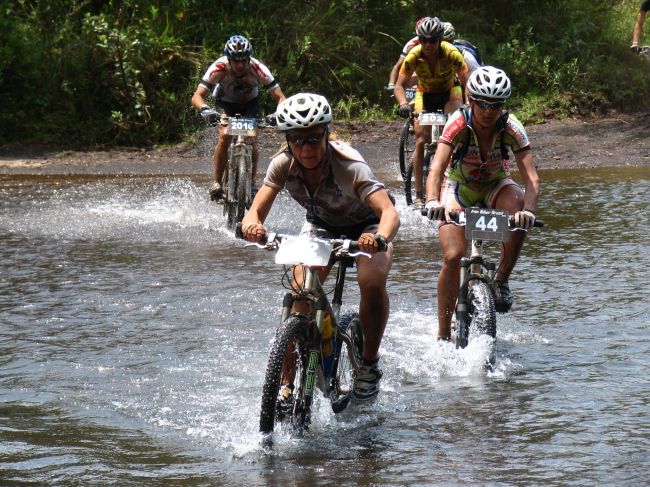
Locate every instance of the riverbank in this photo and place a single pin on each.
(615, 140)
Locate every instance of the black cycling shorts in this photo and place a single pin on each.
(248, 109)
(432, 102)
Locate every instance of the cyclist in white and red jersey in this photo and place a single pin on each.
(234, 80)
(478, 174)
(394, 73)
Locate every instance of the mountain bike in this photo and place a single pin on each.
(475, 310)
(407, 138)
(237, 179)
(436, 120)
(321, 349)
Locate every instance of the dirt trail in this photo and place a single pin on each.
(612, 141)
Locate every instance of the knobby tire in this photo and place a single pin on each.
(409, 183)
(292, 335)
(481, 313)
(342, 372)
(406, 147)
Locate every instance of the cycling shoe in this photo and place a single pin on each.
(503, 301)
(216, 192)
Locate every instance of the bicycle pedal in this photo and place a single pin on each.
(341, 403)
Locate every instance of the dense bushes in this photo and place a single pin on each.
(122, 72)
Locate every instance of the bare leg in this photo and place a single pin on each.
(452, 241)
(374, 305)
(511, 199)
(422, 136)
(220, 156)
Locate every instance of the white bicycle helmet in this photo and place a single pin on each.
(238, 47)
(449, 33)
(430, 28)
(302, 111)
(489, 82)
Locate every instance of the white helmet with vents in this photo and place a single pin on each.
(449, 33)
(489, 82)
(430, 28)
(302, 111)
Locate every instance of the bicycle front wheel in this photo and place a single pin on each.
(481, 315)
(287, 365)
(237, 204)
(342, 372)
(406, 147)
(409, 182)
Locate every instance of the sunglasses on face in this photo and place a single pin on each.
(427, 40)
(488, 105)
(312, 139)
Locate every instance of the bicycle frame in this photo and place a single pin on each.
(237, 179)
(481, 226)
(325, 253)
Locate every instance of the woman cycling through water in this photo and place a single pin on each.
(343, 198)
(478, 175)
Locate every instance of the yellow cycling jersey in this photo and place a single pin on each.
(450, 61)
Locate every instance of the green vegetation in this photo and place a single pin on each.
(81, 72)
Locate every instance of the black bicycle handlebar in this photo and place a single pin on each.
(214, 117)
(455, 216)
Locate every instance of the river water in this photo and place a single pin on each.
(135, 330)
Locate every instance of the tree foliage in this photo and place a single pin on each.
(122, 72)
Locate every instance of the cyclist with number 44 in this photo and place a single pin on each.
(343, 199)
(234, 81)
(470, 168)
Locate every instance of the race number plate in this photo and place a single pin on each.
(410, 94)
(242, 126)
(433, 118)
(486, 224)
(304, 249)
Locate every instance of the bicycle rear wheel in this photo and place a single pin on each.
(481, 315)
(342, 371)
(290, 351)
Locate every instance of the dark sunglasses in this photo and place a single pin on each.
(488, 105)
(311, 140)
(428, 40)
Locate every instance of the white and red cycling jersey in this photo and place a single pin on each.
(410, 45)
(225, 86)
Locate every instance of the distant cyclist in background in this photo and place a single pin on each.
(394, 73)
(437, 64)
(342, 197)
(478, 174)
(234, 81)
(470, 52)
(638, 25)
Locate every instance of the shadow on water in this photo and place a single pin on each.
(135, 331)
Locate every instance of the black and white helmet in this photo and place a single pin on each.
(430, 28)
(302, 111)
(448, 33)
(489, 82)
(238, 47)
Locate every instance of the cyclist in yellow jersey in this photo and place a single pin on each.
(437, 64)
